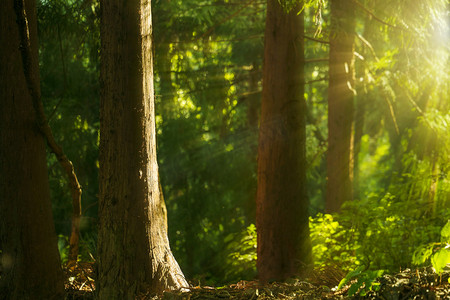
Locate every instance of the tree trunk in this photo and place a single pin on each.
(341, 91)
(30, 263)
(133, 247)
(282, 205)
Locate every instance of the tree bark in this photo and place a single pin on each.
(282, 205)
(31, 267)
(133, 247)
(341, 90)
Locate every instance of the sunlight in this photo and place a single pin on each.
(440, 28)
(440, 41)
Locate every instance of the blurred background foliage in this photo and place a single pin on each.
(208, 67)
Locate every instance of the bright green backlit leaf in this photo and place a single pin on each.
(445, 232)
(440, 260)
(422, 254)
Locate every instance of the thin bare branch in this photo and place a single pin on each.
(366, 10)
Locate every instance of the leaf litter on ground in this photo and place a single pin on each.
(421, 283)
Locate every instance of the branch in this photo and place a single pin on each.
(312, 60)
(373, 15)
(316, 80)
(368, 45)
(33, 88)
(316, 40)
(226, 19)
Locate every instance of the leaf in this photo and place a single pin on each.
(422, 254)
(445, 232)
(355, 288)
(349, 276)
(440, 259)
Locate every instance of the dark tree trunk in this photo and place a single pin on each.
(133, 247)
(30, 262)
(341, 91)
(282, 205)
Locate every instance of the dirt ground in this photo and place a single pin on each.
(409, 284)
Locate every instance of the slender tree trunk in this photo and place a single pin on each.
(30, 263)
(282, 205)
(163, 65)
(434, 183)
(133, 248)
(341, 91)
(358, 134)
(253, 105)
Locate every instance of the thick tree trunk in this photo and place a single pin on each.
(30, 263)
(133, 248)
(282, 205)
(341, 91)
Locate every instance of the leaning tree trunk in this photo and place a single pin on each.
(341, 90)
(30, 263)
(133, 247)
(282, 205)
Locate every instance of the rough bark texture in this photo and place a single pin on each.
(341, 91)
(282, 205)
(133, 248)
(30, 263)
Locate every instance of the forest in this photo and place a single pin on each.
(229, 149)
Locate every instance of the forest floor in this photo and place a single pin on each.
(409, 284)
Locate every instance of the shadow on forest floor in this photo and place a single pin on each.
(409, 284)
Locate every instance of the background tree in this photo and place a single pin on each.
(133, 248)
(341, 91)
(29, 257)
(282, 204)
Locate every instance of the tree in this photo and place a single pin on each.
(341, 91)
(133, 247)
(31, 267)
(282, 205)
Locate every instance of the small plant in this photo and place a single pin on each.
(63, 247)
(437, 253)
(241, 258)
(365, 281)
(333, 244)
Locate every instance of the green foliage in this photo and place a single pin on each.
(63, 247)
(440, 259)
(241, 253)
(376, 235)
(331, 242)
(289, 5)
(437, 253)
(87, 247)
(365, 281)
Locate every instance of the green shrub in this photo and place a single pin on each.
(437, 253)
(377, 234)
